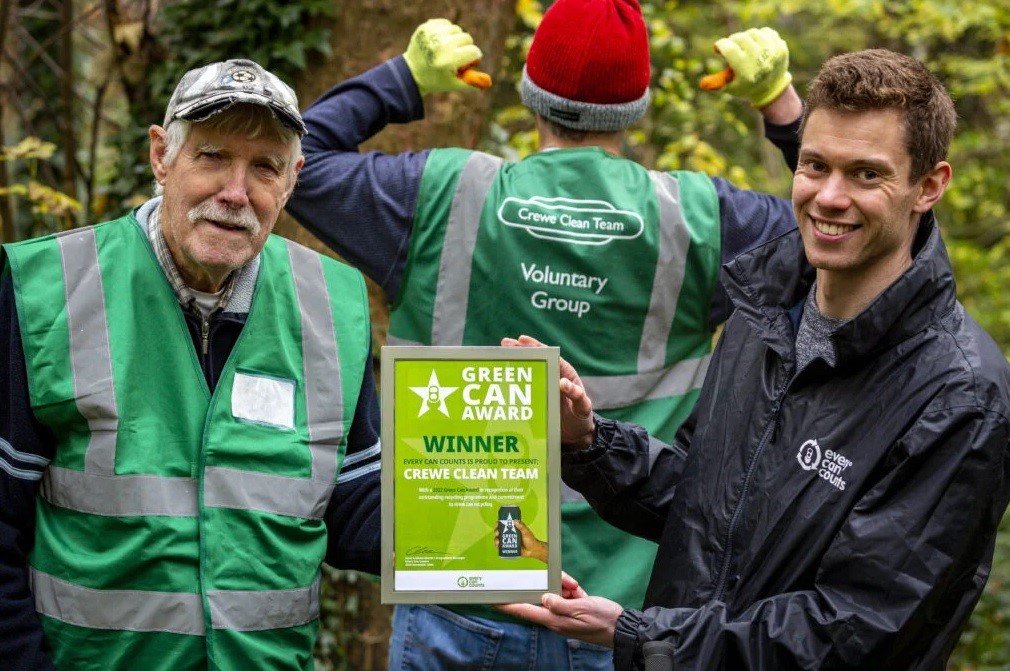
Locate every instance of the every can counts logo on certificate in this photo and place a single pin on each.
(471, 475)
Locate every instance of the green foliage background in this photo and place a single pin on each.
(966, 42)
(277, 35)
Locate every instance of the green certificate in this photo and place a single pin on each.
(470, 466)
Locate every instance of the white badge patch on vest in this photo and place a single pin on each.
(263, 400)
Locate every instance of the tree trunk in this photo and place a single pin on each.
(364, 34)
(7, 229)
(68, 134)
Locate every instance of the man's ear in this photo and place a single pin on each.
(294, 177)
(159, 145)
(932, 186)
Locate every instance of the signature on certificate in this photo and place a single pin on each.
(424, 550)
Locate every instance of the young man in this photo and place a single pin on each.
(470, 248)
(833, 500)
(189, 423)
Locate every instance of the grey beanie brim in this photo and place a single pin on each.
(577, 115)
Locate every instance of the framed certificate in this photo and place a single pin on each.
(470, 474)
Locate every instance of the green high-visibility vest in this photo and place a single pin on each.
(614, 263)
(179, 529)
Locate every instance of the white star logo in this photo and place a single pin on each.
(508, 523)
(434, 393)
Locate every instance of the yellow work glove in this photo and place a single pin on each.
(441, 56)
(758, 69)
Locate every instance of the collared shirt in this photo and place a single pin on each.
(185, 295)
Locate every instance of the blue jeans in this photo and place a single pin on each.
(432, 638)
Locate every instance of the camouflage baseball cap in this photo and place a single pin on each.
(203, 92)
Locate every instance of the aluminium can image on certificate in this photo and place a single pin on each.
(470, 474)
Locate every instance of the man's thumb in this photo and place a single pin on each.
(551, 602)
(559, 605)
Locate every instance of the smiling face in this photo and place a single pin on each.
(856, 208)
(223, 193)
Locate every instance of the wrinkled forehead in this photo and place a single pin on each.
(268, 141)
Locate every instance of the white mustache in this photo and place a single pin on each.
(214, 211)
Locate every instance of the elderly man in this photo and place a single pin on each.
(833, 500)
(189, 425)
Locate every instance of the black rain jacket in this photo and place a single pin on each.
(828, 518)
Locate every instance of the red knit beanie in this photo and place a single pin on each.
(588, 66)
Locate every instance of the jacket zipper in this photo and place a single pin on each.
(720, 585)
(204, 336)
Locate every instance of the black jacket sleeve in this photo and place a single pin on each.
(353, 515)
(26, 448)
(628, 476)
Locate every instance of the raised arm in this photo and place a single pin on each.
(362, 204)
(757, 70)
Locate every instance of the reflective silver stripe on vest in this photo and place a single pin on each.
(324, 396)
(402, 342)
(269, 609)
(620, 391)
(452, 291)
(90, 356)
(174, 612)
(125, 610)
(120, 495)
(671, 263)
(249, 490)
(98, 490)
(569, 495)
